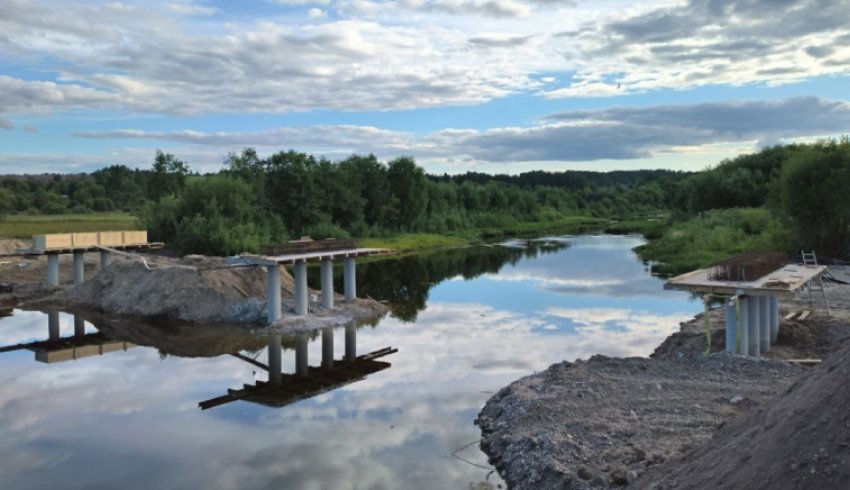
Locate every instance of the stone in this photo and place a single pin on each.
(631, 477)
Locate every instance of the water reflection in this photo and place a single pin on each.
(281, 389)
(56, 348)
(136, 412)
(405, 283)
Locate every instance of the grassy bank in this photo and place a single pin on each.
(713, 236)
(419, 242)
(25, 226)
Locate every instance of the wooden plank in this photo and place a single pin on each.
(791, 315)
(804, 315)
(806, 362)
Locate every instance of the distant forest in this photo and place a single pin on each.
(801, 189)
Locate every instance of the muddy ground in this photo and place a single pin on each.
(607, 422)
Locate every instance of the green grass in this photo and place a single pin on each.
(651, 228)
(414, 242)
(420, 242)
(714, 236)
(25, 226)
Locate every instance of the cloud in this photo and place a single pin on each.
(702, 42)
(188, 8)
(316, 13)
(580, 135)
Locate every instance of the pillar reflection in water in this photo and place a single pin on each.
(351, 342)
(301, 365)
(275, 353)
(328, 347)
(53, 325)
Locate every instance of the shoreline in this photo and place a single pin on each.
(604, 422)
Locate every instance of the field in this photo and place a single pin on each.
(25, 226)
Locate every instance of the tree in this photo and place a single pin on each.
(407, 183)
(6, 203)
(169, 176)
(813, 197)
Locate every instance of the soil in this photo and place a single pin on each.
(607, 422)
(800, 439)
(590, 424)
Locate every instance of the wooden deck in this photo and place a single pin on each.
(781, 282)
(313, 256)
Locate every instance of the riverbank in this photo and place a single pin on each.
(605, 422)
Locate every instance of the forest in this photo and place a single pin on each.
(784, 197)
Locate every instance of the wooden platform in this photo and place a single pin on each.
(313, 256)
(58, 243)
(781, 282)
(71, 348)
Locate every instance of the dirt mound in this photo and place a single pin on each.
(10, 246)
(816, 336)
(200, 290)
(602, 422)
(798, 440)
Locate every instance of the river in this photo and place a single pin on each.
(466, 322)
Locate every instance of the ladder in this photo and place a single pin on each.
(810, 259)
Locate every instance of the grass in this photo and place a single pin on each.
(419, 242)
(25, 226)
(414, 242)
(714, 236)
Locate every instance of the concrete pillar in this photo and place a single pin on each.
(774, 319)
(79, 326)
(351, 342)
(104, 259)
(731, 327)
(753, 311)
(275, 367)
(350, 280)
(273, 293)
(53, 269)
(79, 272)
(53, 325)
(743, 327)
(301, 305)
(327, 284)
(764, 324)
(301, 365)
(328, 347)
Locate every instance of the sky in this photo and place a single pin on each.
(496, 86)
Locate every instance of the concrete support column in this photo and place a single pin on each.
(301, 305)
(273, 293)
(743, 326)
(328, 347)
(78, 267)
(275, 367)
(104, 259)
(301, 366)
(79, 326)
(327, 284)
(53, 325)
(351, 342)
(350, 280)
(53, 269)
(731, 327)
(774, 319)
(764, 324)
(754, 313)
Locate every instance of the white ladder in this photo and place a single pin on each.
(810, 259)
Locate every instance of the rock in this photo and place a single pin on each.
(481, 485)
(736, 400)
(631, 476)
(584, 473)
(618, 475)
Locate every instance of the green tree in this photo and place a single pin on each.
(408, 185)
(813, 197)
(168, 178)
(7, 200)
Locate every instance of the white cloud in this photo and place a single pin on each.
(316, 13)
(189, 8)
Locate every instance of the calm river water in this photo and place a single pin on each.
(466, 322)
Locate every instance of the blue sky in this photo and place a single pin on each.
(500, 86)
